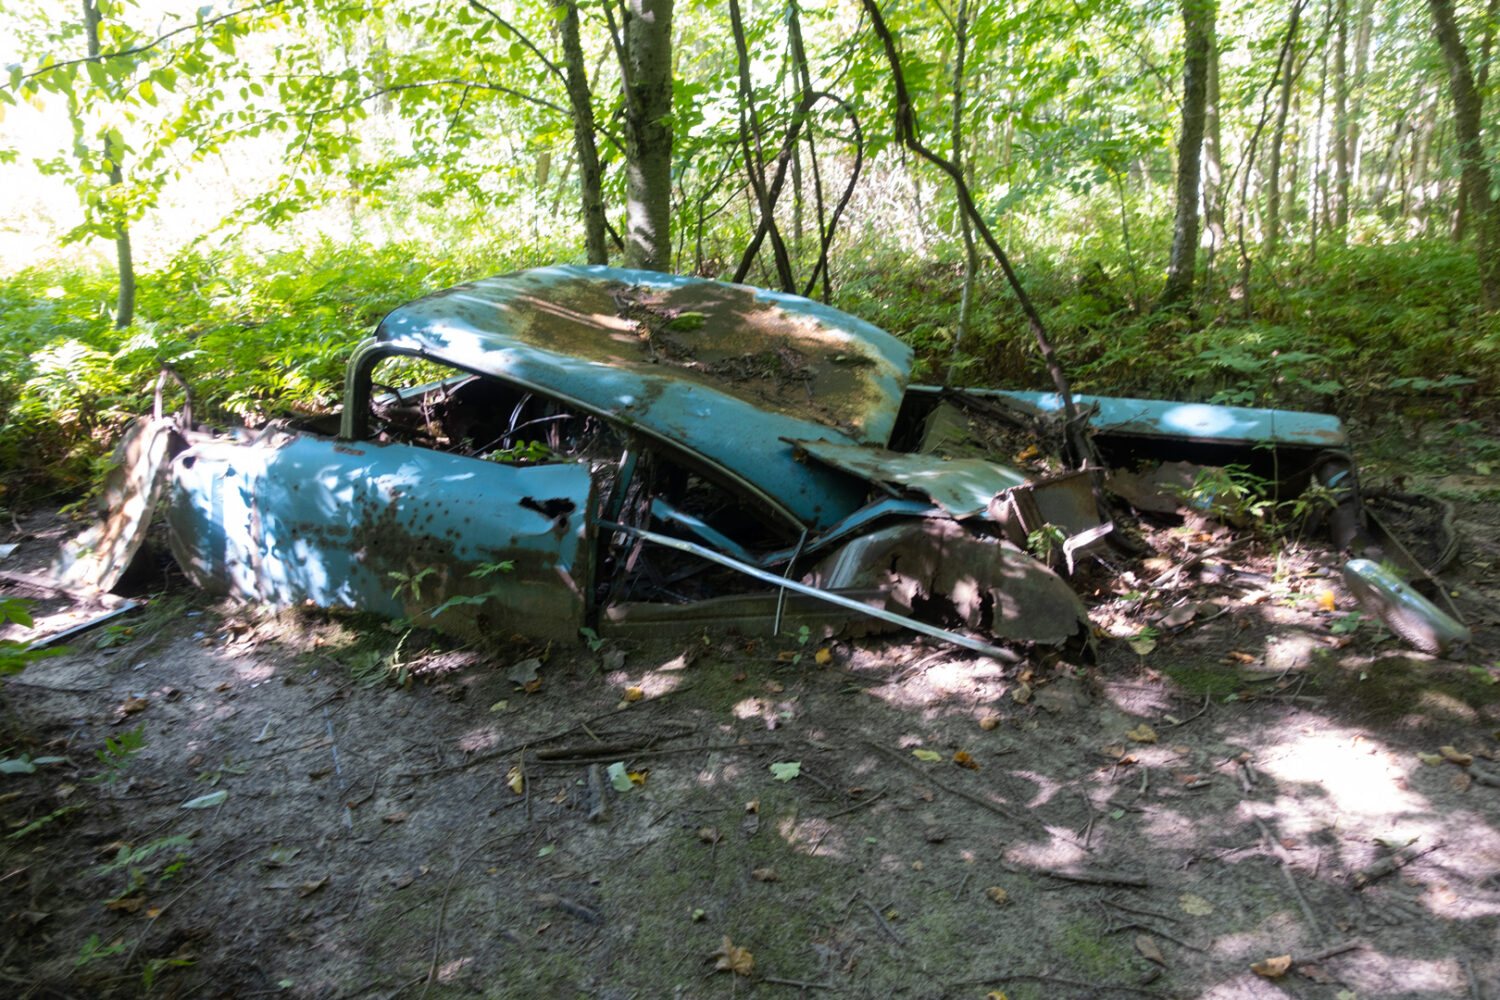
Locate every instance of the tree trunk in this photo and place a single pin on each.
(1341, 130)
(647, 70)
(971, 253)
(1482, 76)
(1278, 135)
(1466, 126)
(590, 176)
(113, 154)
(1213, 160)
(1366, 24)
(1197, 24)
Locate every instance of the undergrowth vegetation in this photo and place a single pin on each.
(1363, 331)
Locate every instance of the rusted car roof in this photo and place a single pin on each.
(724, 372)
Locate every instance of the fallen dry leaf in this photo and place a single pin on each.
(765, 875)
(927, 755)
(773, 687)
(732, 958)
(1454, 756)
(1430, 759)
(1142, 734)
(399, 817)
(308, 888)
(515, 780)
(709, 834)
(962, 759)
(823, 657)
(634, 694)
(1325, 600)
(753, 806)
(989, 722)
(1148, 949)
(133, 705)
(997, 895)
(1460, 782)
(1195, 905)
(127, 905)
(1272, 968)
(1022, 694)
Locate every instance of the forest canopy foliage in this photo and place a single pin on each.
(271, 177)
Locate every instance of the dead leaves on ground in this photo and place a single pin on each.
(1272, 968)
(732, 958)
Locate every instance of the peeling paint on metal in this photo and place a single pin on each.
(291, 520)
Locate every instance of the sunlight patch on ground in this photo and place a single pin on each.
(1058, 852)
(819, 838)
(930, 684)
(1046, 787)
(1362, 779)
(1373, 975)
(652, 684)
(479, 740)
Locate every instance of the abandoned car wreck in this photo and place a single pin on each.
(640, 453)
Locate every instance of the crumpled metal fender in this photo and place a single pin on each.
(989, 584)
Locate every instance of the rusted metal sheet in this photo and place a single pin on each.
(98, 558)
(722, 372)
(990, 585)
(394, 529)
(961, 486)
(1206, 422)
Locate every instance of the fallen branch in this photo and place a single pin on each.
(1097, 877)
(978, 801)
(1390, 863)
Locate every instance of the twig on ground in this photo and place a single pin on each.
(858, 805)
(1285, 864)
(1087, 829)
(1097, 877)
(1139, 911)
(1388, 864)
(169, 903)
(884, 925)
(982, 803)
(800, 984)
(961, 883)
(1137, 925)
(1329, 952)
(437, 934)
(1207, 698)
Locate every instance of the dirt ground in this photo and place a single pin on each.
(1245, 796)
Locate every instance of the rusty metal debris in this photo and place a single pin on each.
(589, 447)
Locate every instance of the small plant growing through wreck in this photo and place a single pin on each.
(118, 752)
(1046, 542)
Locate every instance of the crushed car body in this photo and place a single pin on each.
(641, 454)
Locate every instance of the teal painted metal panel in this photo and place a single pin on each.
(292, 519)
